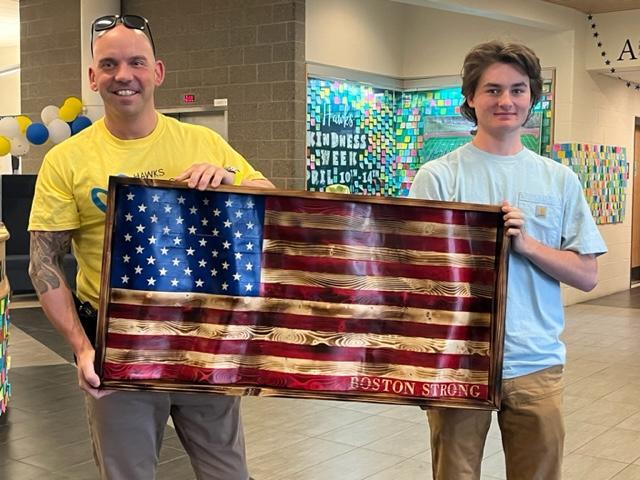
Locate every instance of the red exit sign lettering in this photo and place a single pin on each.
(188, 98)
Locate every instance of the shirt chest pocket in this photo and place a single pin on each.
(543, 217)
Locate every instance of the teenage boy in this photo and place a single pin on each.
(553, 239)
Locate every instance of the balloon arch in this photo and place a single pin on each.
(58, 124)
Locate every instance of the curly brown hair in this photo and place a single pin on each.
(486, 54)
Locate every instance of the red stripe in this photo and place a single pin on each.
(322, 353)
(313, 383)
(378, 269)
(397, 299)
(303, 322)
(374, 211)
(319, 236)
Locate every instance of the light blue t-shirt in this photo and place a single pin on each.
(556, 214)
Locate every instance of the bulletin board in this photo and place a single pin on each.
(374, 140)
(350, 135)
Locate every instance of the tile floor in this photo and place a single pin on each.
(44, 435)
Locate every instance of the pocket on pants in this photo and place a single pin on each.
(535, 386)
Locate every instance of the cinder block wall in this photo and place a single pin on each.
(49, 61)
(250, 52)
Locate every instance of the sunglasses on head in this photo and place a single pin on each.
(135, 22)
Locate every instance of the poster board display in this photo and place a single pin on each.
(603, 171)
(5, 359)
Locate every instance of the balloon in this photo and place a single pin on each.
(58, 130)
(68, 114)
(49, 113)
(74, 104)
(80, 123)
(24, 122)
(5, 146)
(19, 146)
(37, 133)
(9, 127)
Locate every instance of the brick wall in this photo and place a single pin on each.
(49, 61)
(250, 52)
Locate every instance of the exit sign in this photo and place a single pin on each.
(188, 98)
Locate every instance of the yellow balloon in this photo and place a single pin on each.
(75, 104)
(24, 122)
(67, 113)
(5, 146)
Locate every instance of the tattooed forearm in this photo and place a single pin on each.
(45, 263)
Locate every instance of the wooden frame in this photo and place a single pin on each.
(318, 330)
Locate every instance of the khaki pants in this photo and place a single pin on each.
(531, 425)
(127, 429)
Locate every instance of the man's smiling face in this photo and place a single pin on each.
(125, 72)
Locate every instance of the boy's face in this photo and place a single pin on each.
(502, 99)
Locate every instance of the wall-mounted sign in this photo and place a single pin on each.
(615, 46)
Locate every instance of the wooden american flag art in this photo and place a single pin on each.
(264, 292)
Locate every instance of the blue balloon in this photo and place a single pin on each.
(37, 133)
(80, 123)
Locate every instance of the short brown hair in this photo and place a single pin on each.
(486, 54)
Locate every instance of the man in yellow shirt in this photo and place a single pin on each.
(134, 140)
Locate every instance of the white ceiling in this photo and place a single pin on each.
(9, 23)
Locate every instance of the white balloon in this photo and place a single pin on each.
(59, 130)
(49, 113)
(19, 145)
(9, 127)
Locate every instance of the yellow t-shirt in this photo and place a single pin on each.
(71, 189)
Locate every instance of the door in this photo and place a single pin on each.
(213, 118)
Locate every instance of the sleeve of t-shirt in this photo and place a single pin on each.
(54, 206)
(579, 231)
(427, 186)
(231, 158)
